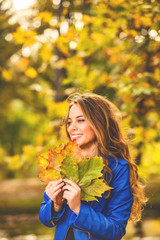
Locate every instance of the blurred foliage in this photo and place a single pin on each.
(59, 47)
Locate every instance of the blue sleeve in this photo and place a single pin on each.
(45, 214)
(111, 224)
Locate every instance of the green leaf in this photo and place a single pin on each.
(96, 188)
(69, 169)
(65, 161)
(87, 197)
(90, 169)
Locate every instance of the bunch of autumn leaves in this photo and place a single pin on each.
(65, 161)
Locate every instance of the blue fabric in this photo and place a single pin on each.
(103, 220)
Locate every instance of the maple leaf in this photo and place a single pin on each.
(42, 161)
(72, 150)
(86, 197)
(50, 166)
(96, 188)
(90, 169)
(69, 169)
(65, 161)
(49, 175)
(55, 157)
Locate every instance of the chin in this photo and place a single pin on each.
(79, 144)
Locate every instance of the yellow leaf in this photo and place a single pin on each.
(21, 35)
(150, 161)
(87, 18)
(7, 74)
(53, 108)
(133, 33)
(65, 161)
(49, 175)
(45, 16)
(146, 21)
(63, 45)
(31, 72)
(65, 11)
(127, 97)
(60, 64)
(30, 41)
(97, 37)
(118, 2)
(45, 53)
(149, 103)
(14, 162)
(22, 63)
(42, 161)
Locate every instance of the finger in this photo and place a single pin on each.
(69, 193)
(59, 186)
(48, 185)
(67, 196)
(52, 190)
(55, 183)
(52, 184)
(71, 183)
(69, 188)
(54, 195)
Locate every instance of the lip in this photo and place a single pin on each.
(76, 136)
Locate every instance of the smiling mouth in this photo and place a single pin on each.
(75, 137)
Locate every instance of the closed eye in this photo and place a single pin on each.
(81, 120)
(78, 120)
(69, 123)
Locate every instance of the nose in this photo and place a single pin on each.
(73, 127)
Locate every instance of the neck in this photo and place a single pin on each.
(90, 151)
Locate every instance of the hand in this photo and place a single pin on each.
(54, 192)
(72, 193)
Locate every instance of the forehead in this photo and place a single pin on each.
(75, 111)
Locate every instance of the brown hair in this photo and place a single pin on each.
(103, 116)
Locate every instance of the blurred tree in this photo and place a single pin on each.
(108, 47)
(7, 49)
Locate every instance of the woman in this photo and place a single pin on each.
(92, 122)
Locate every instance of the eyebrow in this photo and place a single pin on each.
(77, 116)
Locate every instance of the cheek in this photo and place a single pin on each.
(90, 133)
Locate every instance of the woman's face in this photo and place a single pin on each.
(79, 129)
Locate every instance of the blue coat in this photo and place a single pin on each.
(103, 220)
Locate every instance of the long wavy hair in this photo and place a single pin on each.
(103, 116)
